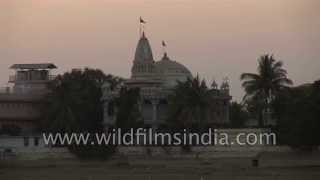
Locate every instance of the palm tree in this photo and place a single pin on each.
(189, 103)
(262, 88)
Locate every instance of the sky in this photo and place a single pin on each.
(213, 38)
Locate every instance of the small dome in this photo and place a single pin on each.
(143, 50)
(172, 71)
(166, 65)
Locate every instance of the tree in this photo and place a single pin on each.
(74, 102)
(128, 114)
(238, 115)
(298, 110)
(189, 103)
(114, 81)
(262, 88)
(74, 106)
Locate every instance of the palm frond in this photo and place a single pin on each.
(249, 76)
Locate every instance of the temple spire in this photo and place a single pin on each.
(143, 49)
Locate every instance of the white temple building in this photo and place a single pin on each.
(156, 79)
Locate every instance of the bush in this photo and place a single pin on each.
(297, 111)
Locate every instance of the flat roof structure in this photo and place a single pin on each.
(34, 66)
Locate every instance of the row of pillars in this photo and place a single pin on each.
(154, 103)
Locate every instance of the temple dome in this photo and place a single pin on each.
(143, 50)
(171, 71)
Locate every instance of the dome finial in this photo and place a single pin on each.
(164, 50)
(165, 56)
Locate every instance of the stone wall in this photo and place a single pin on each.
(19, 147)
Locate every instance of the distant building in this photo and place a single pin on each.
(19, 104)
(156, 79)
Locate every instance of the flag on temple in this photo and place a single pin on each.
(164, 44)
(142, 21)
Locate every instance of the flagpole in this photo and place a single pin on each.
(164, 48)
(140, 24)
(139, 29)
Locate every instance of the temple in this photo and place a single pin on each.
(155, 80)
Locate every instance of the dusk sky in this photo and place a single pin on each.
(215, 38)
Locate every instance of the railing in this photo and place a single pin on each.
(26, 91)
(14, 78)
(52, 77)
